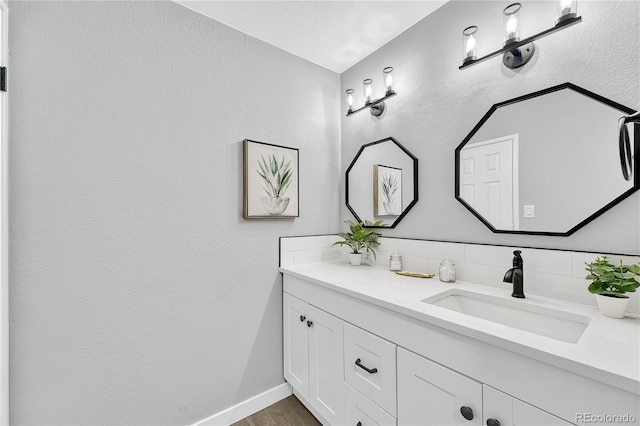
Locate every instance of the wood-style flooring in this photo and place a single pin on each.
(286, 412)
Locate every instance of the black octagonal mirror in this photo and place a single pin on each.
(382, 182)
(546, 163)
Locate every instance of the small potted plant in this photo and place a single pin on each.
(610, 283)
(360, 239)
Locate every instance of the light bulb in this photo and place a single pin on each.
(469, 43)
(367, 90)
(350, 99)
(511, 27)
(388, 79)
(512, 24)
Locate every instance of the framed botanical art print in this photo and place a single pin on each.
(270, 181)
(387, 190)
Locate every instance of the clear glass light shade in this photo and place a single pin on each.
(511, 24)
(368, 90)
(387, 75)
(350, 99)
(469, 43)
(566, 9)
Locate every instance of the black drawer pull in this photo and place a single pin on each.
(493, 422)
(359, 424)
(302, 318)
(309, 323)
(370, 371)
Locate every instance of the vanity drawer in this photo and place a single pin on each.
(370, 366)
(360, 410)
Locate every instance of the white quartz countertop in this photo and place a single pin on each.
(607, 351)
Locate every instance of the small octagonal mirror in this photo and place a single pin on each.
(382, 183)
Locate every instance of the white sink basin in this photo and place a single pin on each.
(549, 322)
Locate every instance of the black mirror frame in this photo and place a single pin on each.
(494, 108)
(415, 182)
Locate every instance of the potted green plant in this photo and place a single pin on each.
(610, 283)
(360, 239)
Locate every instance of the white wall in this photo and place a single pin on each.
(138, 293)
(438, 105)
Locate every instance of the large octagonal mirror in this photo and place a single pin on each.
(545, 163)
(382, 182)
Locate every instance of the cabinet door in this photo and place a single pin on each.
(296, 344)
(360, 410)
(430, 394)
(326, 366)
(509, 411)
(528, 415)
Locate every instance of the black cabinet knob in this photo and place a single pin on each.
(493, 422)
(466, 412)
(302, 318)
(309, 323)
(359, 424)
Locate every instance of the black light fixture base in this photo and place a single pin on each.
(377, 109)
(519, 56)
(566, 18)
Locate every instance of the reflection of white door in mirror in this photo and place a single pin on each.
(489, 180)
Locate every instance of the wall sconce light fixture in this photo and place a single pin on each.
(469, 42)
(517, 52)
(376, 106)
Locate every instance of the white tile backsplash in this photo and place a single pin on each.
(289, 244)
(489, 255)
(550, 273)
(547, 261)
(299, 250)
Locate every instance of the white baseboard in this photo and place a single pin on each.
(248, 407)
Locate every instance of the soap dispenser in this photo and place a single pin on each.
(447, 271)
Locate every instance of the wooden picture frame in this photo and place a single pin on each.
(271, 184)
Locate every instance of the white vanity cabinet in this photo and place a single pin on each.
(313, 357)
(424, 372)
(430, 394)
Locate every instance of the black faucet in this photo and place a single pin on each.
(515, 275)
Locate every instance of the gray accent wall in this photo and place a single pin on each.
(438, 105)
(139, 294)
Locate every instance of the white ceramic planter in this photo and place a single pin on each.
(275, 206)
(614, 307)
(355, 258)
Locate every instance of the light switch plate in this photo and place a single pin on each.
(529, 210)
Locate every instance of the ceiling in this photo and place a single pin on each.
(333, 34)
